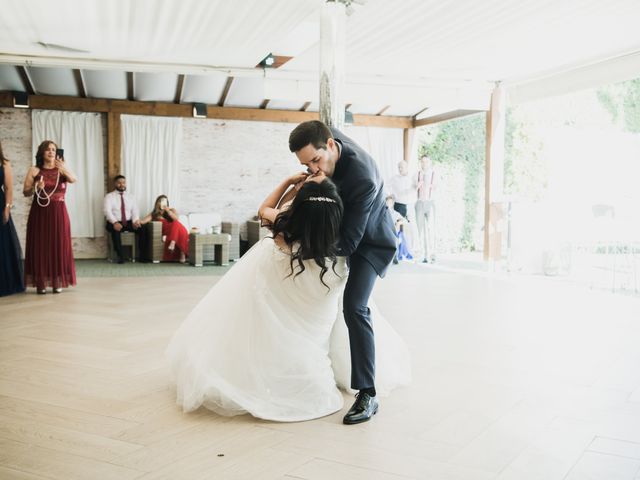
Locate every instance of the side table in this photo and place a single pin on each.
(221, 247)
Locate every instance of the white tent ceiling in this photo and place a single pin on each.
(402, 54)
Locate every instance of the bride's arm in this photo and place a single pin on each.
(288, 197)
(269, 210)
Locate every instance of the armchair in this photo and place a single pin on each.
(151, 245)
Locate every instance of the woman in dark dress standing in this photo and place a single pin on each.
(11, 274)
(49, 254)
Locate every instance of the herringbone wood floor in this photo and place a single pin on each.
(511, 381)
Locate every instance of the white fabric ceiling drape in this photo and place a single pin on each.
(80, 135)
(150, 158)
(385, 145)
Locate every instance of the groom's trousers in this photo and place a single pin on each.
(362, 277)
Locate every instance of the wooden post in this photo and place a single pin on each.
(332, 60)
(408, 134)
(494, 210)
(113, 147)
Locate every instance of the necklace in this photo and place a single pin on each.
(42, 197)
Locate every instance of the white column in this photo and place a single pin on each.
(332, 60)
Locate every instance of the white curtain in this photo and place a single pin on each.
(385, 145)
(150, 157)
(80, 135)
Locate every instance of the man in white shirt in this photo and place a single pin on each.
(426, 181)
(402, 189)
(122, 214)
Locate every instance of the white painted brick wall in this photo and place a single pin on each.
(230, 166)
(227, 166)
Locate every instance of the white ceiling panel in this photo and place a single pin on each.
(203, 88)
(366, 108)
(235, 33)
(482, 41)
(246, 92)
(398, 48)
(403, 110)
(53, 81)
(10, 79)
(156, 87)
(105, 84)
(284, 105)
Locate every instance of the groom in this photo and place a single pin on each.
(367, 239)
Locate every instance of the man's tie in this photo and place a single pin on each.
(123, 213)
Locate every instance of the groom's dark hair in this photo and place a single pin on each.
(313, 132)
(311, 225)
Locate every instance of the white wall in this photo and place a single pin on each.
(227, 166)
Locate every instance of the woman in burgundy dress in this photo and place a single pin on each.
(49, 255)
(176, 237)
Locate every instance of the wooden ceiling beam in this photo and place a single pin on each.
(77, 75)
(26, 80)
(225, 92)
(130, 92)
(420, 111)
(264, 103)
(75, 104)
(384, 110)
(444, 116)
(305, 106)
(179, 89)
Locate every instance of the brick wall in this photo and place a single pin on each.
(226, 166)
(230, 166)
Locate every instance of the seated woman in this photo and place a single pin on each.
(174, 234)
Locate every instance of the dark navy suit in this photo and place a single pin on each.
(368, 240)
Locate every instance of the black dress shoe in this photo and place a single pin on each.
(362, 409)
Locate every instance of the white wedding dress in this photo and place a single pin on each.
(268, 344)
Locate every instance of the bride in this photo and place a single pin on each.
(269, 338)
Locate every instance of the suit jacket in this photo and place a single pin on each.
(367, 228)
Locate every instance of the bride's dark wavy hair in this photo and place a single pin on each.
(310, 226)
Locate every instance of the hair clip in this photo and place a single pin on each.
(320, 199)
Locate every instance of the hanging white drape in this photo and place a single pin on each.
(385, 145)
(150, 158)
(80, 135)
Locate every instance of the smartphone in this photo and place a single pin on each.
(60, 152)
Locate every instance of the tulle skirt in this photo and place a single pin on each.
(267, 343)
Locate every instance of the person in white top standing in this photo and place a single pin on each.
(402, 189)
(425, 183)
(122, 213)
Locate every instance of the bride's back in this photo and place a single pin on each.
(308, 230)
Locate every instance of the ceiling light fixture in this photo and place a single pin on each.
(199, 110)
(20, 100)
(268, 61)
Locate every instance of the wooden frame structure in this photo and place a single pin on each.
(115, 108)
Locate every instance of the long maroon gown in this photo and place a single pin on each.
(49, 252)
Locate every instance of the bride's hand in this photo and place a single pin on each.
(318, 177)
(297, 178)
